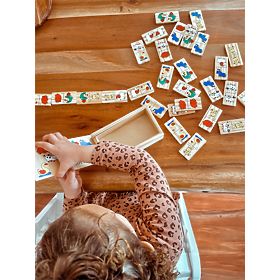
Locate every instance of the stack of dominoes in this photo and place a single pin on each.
(188, 36)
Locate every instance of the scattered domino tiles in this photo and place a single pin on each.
(185, 70)
(211, 89)
(153, 35)
(43, 99)
(177, 33)
(189, 37)
(64, 97)
(233, 54)
(97, 97)
(186, 90)
(210, 118)
(230, 93)
(174, 113)
(241, 98)
(140, 52)
(177, 130)
(221, 68)
(165, 76)
(192, 146)
(156, 107)
(232, 126)
(197, 20)
(167, 17)
(200, 43)
(185, 104)
(163, 50)
(140, 90)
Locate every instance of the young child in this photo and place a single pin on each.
(109, 235)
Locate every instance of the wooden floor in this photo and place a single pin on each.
(85, 45)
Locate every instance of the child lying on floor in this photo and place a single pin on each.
(110, 235)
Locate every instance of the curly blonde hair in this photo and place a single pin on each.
(78, 247)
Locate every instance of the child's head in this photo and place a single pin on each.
(92, 242)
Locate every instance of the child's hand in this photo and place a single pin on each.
(71, 183)
(68, 154)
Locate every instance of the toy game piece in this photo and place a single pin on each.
(211, 89)
(197, 20)
(221, 68)
(177, 130)
(200, 43)
(67, 97)
(165, 76)
(167, 17)
(153, 35)
(163, 50)
(241, 98)
(155, 106)
(140, 52)
(186, 90)
(230, 93)
(140, 90)
(97, 97)
(174, 113)
(189, 37)
(185, 70)
(232, 126)
(177, 33)
(185, 104)
(192, 146)
(233, 54)
(43, 99)
(210, 118)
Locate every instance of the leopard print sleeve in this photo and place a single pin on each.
(159, 221)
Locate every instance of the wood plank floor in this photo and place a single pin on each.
(218, 224)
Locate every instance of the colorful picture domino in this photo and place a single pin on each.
(177, 33)
(140, 90)
(230, 93)
(192, 146)
(153, 35)
(186, 90)
(211, 89)
(241, 98)
(177, 130)
(68, 97)
(155, 106)
(185, 104)
(167, 17)
(165, 76)
(189, 37)
(233, 54)
(140, 52)
(97, 97)
(163, 50)
(185, 70)
(197, 20)
(172, 112)
(221, 68)
(210, 118)
(43, 99)
(232, 126)
(200, 43)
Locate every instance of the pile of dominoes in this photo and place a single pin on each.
(190, 36)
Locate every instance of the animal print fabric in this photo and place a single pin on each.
(151, 209)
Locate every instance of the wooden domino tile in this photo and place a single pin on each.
(241, 98)
(155, 106)
(200, 43)
(233, 54)
(163, 50)
(167, 17)
(140, 90)
(232, 126)
(140, 52)
(221, 68)
(153, 35)
(165, 76)
(230, 93)
(210, 118)
(177, 33)
(43, 99)
(211, 89)
(197, 20)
